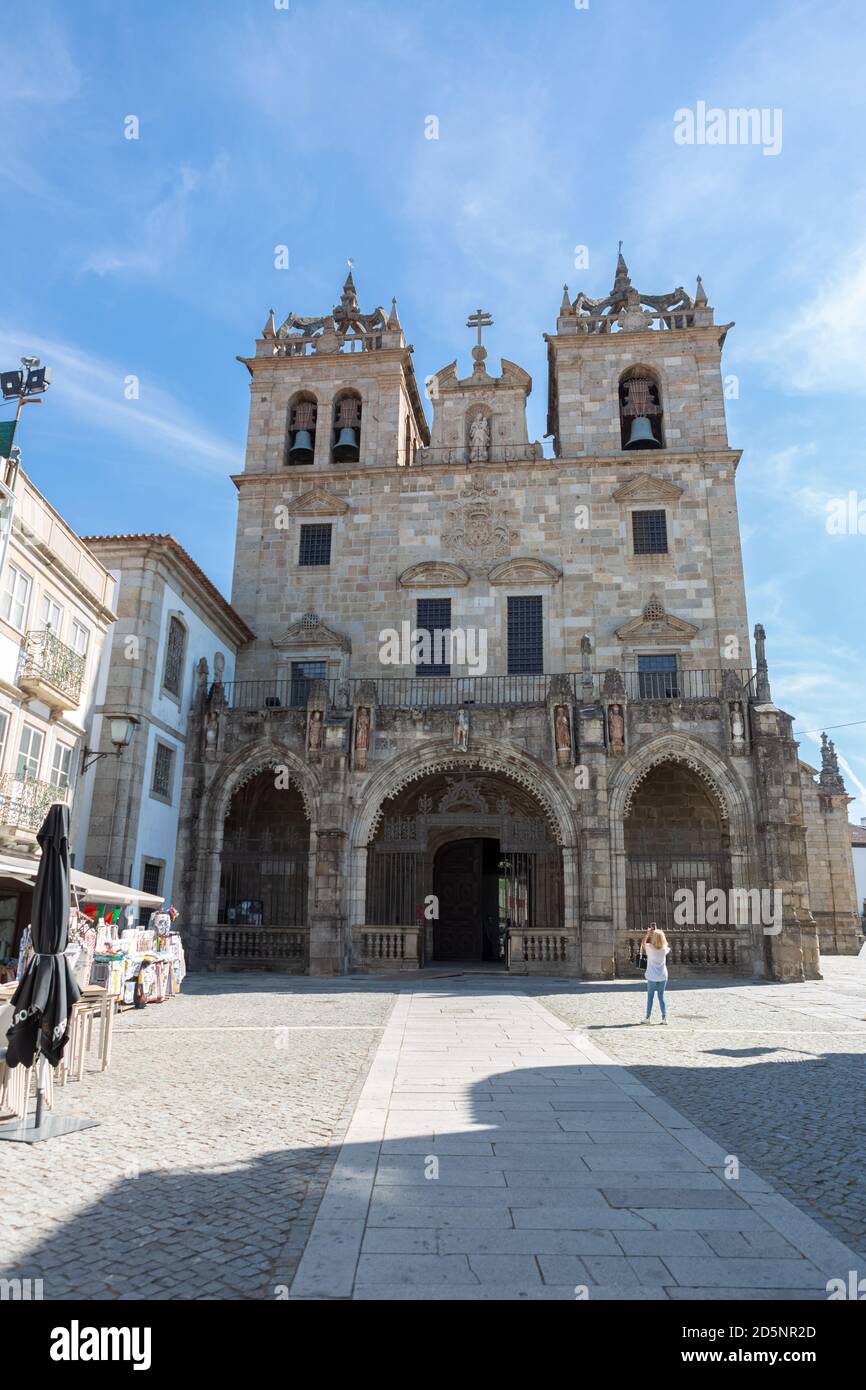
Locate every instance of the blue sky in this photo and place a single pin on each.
(306, 127)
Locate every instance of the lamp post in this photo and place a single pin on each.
(121, 728)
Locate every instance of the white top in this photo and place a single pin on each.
(656, 963)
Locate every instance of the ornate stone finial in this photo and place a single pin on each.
(622, 278)
(831, 779)
(701, 295)
(349, 297)
(394, 323)
(762, 678)
(480, 320)
(270, 328)
(219, 666)
(566, 302)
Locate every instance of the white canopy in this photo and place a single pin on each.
(88, 887)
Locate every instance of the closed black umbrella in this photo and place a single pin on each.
(43, 1001)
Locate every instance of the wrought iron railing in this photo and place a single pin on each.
(24, 802)
(423, 692)
(48, 659)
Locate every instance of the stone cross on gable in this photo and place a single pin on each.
(479, 320)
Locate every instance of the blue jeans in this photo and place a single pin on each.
(655, 987)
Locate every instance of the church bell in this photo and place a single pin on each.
(302, 449)
(346, 447)
(642, 436)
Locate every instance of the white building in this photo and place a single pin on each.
(171, 618)
(56, 605)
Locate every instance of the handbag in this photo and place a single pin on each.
(642, 960)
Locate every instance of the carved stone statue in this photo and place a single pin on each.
(562, 735)
(616, 729)
(314, 738)
(479, 438)
(738, 727)
(461, 732)
(362, 738)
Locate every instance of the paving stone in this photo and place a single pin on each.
(746, 1274)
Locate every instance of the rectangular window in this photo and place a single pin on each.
(433, 618)
(315, 545)
(525, 636)
(4, 729)
(175, 651)
(16, 594)
(80, 638)
(304, 673)
(29, 753)
(151, 882)
(163, 771)
(50, 614)
(658, 678)
(61, 765)
(649, 533)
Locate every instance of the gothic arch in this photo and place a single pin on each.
(484, 757)
(246, 764)
(728, 794)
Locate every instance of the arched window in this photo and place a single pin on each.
(640, 410)
(346, 431)
(175, 657)
(302, 430)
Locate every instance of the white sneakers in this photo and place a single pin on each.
(645, 1020)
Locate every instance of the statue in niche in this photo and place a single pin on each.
(479, 438)
(562, 735)
(616, 728)
(362, 738)
(738, 727)
(314, 738)
(461, 732)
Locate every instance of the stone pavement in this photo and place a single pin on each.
(217, 1127)
(775, 1073)
(495, 1153)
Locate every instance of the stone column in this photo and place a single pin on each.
(597, 932)
(790, 953)
(328, 920)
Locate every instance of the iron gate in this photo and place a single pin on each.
(263, 880)
(654, 876)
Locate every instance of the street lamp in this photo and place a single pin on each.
(121, 728)
(24, 385)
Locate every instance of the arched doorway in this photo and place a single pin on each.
(675, 839)
(466, 857)
(264, 864)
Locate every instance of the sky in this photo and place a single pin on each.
(306, 124)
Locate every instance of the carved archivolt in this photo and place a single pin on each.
(268, 761)
(463, 765)
(692, 764)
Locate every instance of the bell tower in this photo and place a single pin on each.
(636, 372)
(636, 411)
(333, 389)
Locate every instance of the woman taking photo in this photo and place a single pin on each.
(656, 948)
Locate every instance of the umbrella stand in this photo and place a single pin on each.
(32, 1129)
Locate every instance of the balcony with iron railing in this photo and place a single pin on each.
(423, 692)
(24, 804)
(51, 670)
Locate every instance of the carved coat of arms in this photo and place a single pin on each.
(476, 530)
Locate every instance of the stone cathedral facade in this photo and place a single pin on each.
(499, 706)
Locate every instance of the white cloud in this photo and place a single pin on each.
(92, 390)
